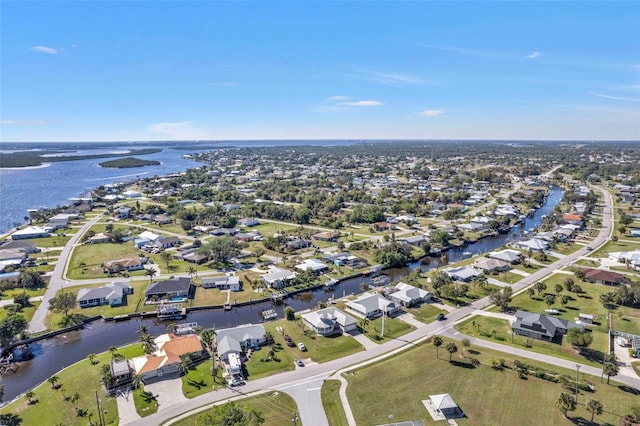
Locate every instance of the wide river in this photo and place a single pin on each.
(53, 354)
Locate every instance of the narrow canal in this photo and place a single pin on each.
(51, 355)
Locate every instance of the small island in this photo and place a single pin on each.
(128, 162)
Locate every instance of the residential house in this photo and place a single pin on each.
(542, 327)
(12, 257)
(511, 256)
(296, 243)
(30, 232)
(246, 237)
(407, 295)
(237, 339)
(111, 294)
(167, 242)
(123, 212)
(248, 222)
(416, 240)
(534, 244)
(227, 282)
(574, 219)
(162, 219)
(601, 276)
(462, 273)
(383, 226)
(177, 288)
(99, 238)
(278, 278)
(372, 306)
(490, 265)
(634, 233)
(329, 321)
(26, 246)
(128, 264)
(329, 236)
(313, 265)
(166, 359)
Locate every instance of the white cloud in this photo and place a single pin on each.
(431, 113)
(393, 79)
(465, 51)
(617, 98)
(45, 49)
(177, 130)
(363, 103)
(338, 98)
(223, 84)
(23, 122)
(534, 55)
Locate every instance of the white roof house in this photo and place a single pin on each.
(371, 306)
(534, 244)
(232, 340)
(278, 277)
(312, 265)
(462, 273)
(506, 255)
(408, 295)
(149, 235)
(329, 320)
(30, 232)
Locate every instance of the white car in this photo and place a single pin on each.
(302, 347)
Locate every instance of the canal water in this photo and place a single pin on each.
(51, 355)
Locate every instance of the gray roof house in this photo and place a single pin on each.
(109, 294)
(462, 273)
(227, 282)
(329, 321)
(372, 306)
(542, 327)
(177, 287)
(507, 255)
(235, 339)
(407, 295)
(278, 278)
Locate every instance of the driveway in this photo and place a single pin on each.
(126, 408)
(168, 391)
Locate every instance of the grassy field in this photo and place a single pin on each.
(54, 407)
(498, 330)
(87, 260)
(146, 404)
(611, 246)
(27, 313)
(54, 241)
(274, 407)
(418, 374)
(198, 380)
(425, 313)
(332, 404)
(393, 328)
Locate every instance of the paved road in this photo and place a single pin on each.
(302, 383)
(56, 281)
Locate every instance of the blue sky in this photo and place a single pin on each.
(144, 70)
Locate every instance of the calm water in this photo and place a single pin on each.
(53, 354)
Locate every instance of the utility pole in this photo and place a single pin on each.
(100, 415)
(577, 378)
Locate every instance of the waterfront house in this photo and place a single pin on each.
(407, 295)
(511, 256)
(372, 306)
(237, 339)
(542, 327)
(278, 278)
(313, 265)
(462, 273)
(166, 359)
(490, 265)
(227, 282)
(30, 232)
(177, 289)
(534, 244)
(128, 264)
(111, 294)
(329, 321)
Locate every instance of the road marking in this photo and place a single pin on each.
(313, 389)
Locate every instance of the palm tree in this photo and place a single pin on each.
(437, 342)
(595, 407)
(29, 395)
(113, 350)
(53, 380)
(172, 328)
(92, 359)
(74, 399)
(137, 380)
(142, 329)
(566, 403)
(465, 345)
(148, 344)
(192, 271)
(610, 369)
(150, 272)
(530, 292)
(208, 337)
(451, 348)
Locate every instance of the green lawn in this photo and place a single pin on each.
(478, 391)
(93, 257)
(274, 407)
(27, 313)
(425, 313)
(610, 247)
(393, 328)
(82, 378)
(498, 330)
(332, 404)
(198, 380)
(146, 404)
(54, 241)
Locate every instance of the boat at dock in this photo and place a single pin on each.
(269, 314)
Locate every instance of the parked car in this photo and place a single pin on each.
(288, 340)
(441, 317)
(302, 347)
(299, 362)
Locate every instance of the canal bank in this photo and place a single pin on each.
(51, 355)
